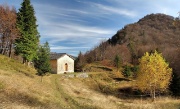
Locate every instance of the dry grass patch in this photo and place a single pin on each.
(84, 95)
(21, 88)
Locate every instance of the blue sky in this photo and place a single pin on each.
(71, 26)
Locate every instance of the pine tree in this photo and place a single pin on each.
(154, 74)
(27, 44)
(42, 62)
(117, 62)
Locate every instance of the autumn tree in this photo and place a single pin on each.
(79, 62)
(176, 22)
(154, 74)
(102, 48)
(27, 44)
(8, 30)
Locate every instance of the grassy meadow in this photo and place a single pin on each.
(21, 88)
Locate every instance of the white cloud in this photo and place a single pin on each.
(116, 10)
(66, 29)
(71, 50)
(59, 24)
(66, 48)
(105, 10)
(72, 30)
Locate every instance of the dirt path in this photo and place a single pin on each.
(83, 94)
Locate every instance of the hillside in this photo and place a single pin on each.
(155, 29)
(21, 88)
(153, 32)
(158, 32)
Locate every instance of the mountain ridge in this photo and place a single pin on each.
(152, 32)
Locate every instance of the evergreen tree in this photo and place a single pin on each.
(27, 44)
(127, 71)
(42, 62)
(117, 62)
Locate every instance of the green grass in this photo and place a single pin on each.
(8, 64)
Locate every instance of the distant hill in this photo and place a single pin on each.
(158, 29)
(153, 32)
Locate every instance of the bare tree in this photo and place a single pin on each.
(8, 30)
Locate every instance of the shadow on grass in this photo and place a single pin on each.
(23, 98)
(121, 79)
(130, 93)
(99, 67)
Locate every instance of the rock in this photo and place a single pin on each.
(82, 75)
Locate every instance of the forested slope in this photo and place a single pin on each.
(153, 32)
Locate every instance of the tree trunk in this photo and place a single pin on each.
(10, 50)
(2, 42)
(5, 43)
(24, 61)
(28, 63)
(41, 78)
(4, 50)
(153, 94)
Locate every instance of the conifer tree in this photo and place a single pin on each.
(42, 62)
(117, 62)
(27, 44)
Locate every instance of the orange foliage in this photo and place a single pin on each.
(8, 30)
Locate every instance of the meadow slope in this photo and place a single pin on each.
(21, 88)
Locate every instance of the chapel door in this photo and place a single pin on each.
(66, 67)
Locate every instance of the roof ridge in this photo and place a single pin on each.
(58, 55)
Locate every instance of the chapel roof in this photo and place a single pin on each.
(58, 55)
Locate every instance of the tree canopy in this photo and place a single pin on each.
(8, 29)
(42, 62)
(154, 74)
(117, 62)
(27, 44)
(79, 62)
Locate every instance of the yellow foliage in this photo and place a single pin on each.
(154, 73)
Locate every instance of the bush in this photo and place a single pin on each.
(130, 71)
(127, 71)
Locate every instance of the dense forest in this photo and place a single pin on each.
(158, 32)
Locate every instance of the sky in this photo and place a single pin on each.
(71, 26)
